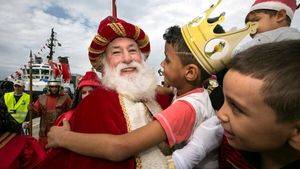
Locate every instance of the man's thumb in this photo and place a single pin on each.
(66, 123)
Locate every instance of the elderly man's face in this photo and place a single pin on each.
(126, 51)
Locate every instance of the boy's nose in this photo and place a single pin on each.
(222, 115)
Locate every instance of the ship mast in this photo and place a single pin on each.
(30, 92)
(52, 43)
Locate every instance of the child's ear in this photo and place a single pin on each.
(294, 140)
(281, 15)
(192, 72)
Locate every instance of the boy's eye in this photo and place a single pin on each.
(255, 19)
(234, 107)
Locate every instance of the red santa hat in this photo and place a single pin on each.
(288, 5)
(111, 28)
(89, 79)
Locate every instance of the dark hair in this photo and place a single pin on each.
(174, 37)
(271, 13)
(5, 87)
(278, 65)
(76, 99)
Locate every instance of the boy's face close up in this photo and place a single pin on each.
(265, 21)
(173, 68)
(249, 123)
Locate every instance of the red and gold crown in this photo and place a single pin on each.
(213, 50)
(111, 28)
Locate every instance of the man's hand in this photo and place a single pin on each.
(56, 133)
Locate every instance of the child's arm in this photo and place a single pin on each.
(107, 146)
(205, 138)
(174, 124)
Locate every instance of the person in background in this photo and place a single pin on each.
(16, 102)
(49, 106)
(5, 87)
(274, 19)
(86, 85)
(68, 91)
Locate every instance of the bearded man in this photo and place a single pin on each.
(124, 102)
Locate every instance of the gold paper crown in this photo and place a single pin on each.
(213, 51)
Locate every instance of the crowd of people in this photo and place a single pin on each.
(218, 108)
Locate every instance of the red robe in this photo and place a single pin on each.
(100, 112)
(21, 152)
(230, 157)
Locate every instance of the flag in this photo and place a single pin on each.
(66, 73)
(56, 68)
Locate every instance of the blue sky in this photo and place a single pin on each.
(25, 25)
(57, 11)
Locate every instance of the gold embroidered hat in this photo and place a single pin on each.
(111, 28)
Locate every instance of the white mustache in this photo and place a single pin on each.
(133, 64)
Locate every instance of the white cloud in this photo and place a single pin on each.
(25, 25)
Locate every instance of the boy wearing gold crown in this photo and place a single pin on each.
(274, 19)
(261, 124)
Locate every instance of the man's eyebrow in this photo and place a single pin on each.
(132, 45)
(240, 106)
(115, 47)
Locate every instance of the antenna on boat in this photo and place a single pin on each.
(114, 9)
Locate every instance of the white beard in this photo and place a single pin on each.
(139, 86)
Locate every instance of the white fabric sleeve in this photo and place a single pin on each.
(206, 138)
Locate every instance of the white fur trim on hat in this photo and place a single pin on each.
(275, 5)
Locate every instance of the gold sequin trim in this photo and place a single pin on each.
(171, 164)
(94, 51)
(137, 158)
(137, 32)
(138, 163)
(144, 42)
(100, 40)
(118, 29)
(125, 113)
